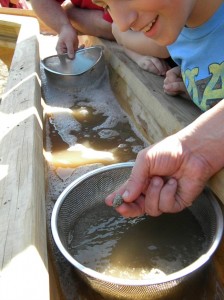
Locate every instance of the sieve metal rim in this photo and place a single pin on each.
(78, 51)
(196, 265)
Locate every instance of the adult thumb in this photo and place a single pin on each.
(137, 183)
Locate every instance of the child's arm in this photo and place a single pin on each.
(89, 21)
(148, 63)
(173, 83)
(51, 13)
(142, 50)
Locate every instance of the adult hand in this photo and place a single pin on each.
(67, 41)
(173, 83)
(166, 178)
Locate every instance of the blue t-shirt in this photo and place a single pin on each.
(200, 54)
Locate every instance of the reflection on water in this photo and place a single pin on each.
(92, 142)
(83, 61)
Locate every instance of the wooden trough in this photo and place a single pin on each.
(26, 268)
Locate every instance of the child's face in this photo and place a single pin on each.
(161, 20)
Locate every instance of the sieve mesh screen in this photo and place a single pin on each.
(90, 190)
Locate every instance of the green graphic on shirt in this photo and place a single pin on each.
(208, 91)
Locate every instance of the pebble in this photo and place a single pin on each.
(118, 200)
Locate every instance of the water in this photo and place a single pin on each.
(83, 61)
(139, 248)
(81, 144)
(87, 126)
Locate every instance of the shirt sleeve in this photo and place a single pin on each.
(107, 17)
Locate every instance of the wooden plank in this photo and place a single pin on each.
(219, 262)
(23, 246)
(9, 31)
(155, 114)
(55, 288)
(27, 13)
(8, 35)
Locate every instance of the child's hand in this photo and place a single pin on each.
(67, 41)
(153, 65)
(173, 83)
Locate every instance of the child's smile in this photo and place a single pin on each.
(161, 20)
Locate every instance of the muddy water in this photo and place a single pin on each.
(139, 248)
(101, 144)
(86, 129)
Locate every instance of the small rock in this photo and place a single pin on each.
(118, 200)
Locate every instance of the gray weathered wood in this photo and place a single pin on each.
(23, 247)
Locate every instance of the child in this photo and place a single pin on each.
(82, 16)
(169, 175)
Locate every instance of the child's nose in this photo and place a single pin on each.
(122, 16)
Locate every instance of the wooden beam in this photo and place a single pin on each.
(23, 242)
(27, 13)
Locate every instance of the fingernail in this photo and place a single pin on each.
(171, 181)
(156, 181)
(125, 195)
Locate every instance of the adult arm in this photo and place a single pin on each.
(169, 175)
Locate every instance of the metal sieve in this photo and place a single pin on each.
(91, 189)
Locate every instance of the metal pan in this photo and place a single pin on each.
(87, 66)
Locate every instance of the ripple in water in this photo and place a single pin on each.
(139, 248)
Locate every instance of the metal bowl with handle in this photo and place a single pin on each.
(86, 68)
